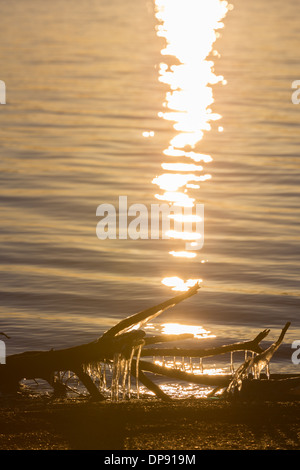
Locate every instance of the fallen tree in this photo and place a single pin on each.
(120, 350)
(252, 346)
(246, 382)
(123, 339)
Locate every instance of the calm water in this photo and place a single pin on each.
(84, 84)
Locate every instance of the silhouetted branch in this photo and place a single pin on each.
(188, 352)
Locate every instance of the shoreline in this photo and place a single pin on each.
(148, 424)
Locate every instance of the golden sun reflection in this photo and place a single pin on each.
(172, 182)
(179, 329)
(190, 29)
(181, 167)
(197, 157)
(177, 198)
(183, 254)
(190, 369)
(185, 218)
(183, 235)
(178, 284)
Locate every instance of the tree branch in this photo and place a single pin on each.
(187, 352)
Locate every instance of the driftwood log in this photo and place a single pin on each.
(121, 348)
(122, 338)
(247, 384)
(252, 346)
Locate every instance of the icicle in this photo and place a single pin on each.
(138, 355)
(104, 375)
(93, 372)
(113, 380)
(182, 363)
(125, 373)
(268, 370)
(115, 377)
(231, 363)
(129, 372)
(201, 365)
(99, 376)
(191, 364)
(118, 370)
(174, 362)
(121, 374)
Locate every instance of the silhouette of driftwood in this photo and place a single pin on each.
(120, 349)
(202, 379)
(252, 366)
(252, 346)
(242, 384)
(122, 339)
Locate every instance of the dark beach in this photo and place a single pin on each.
(147, 147)
(44, 424)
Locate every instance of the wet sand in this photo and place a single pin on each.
(42, 423)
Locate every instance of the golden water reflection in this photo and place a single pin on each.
(183, 254)
(179, 329)
(190, 29)
(179, 284)
(194, 369)
(177, 391)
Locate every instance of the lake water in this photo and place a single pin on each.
(105, 97)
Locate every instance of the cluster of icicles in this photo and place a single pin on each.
(120, 378)
(113, 375)
(192, 365)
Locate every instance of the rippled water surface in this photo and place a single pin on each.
(109, 99)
